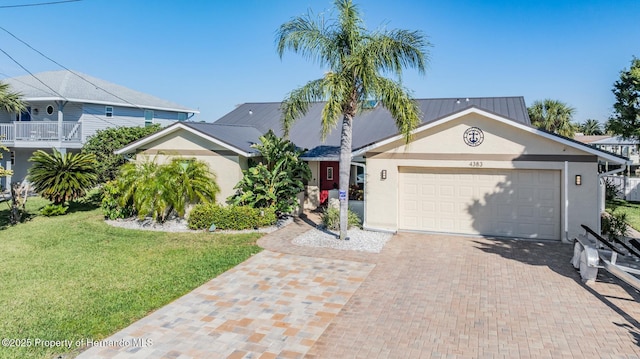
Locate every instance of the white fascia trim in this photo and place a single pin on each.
(319, 159)
(173, 128)
(503, 120)
(111, 103)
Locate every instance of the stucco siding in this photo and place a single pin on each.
(227, 167)
(504, 147)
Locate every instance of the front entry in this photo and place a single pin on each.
(329, 175)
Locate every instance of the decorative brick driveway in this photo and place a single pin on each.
(424, 296)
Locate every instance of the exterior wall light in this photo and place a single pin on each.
(383, 174)
(578, 180)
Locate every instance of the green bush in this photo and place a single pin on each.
(51, 210)
(231, 217)
(614, 224)
(110, 203)
(331, 219)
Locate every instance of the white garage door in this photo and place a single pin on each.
(512, 203)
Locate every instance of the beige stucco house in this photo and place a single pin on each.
(475, 166)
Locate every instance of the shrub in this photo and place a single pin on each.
(331, 219)
(611, 190)
(51, 210)
(614, 224)
(231, 217)
(103, 144)
(110, 204)
(276, 180)
(61, 177)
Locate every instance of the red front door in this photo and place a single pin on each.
(329, 175)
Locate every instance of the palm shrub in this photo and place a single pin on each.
(277, 180)
(331, 218)
(157, 190)
(62, 177)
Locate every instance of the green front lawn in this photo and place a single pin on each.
(74, 277)
(632, 209)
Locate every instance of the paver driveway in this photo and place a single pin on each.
(424, 296)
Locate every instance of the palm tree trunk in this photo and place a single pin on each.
(345, 171)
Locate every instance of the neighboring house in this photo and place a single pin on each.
(64, 108)
(475, 166)
(623, 147)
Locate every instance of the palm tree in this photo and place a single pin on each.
(356, 58)
(62, 177)
(10, 101)
(158, 190)
(591, 127)
(191, 182)
(553, 116)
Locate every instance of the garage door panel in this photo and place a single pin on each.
(517, 203)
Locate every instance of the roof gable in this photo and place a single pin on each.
(234, 138)
(78, 87)
(527, 128)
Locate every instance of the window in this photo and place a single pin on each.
(182, 116)
(148, 117)
(108, 111)
(49, 110)
(330, 173)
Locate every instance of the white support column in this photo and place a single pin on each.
(60, 105)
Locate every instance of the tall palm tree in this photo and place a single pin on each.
(591, 127)
(356, 59)
(61, 177)
(553, 116)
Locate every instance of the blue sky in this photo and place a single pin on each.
(213, 55)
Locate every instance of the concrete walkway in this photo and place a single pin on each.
(424, 296)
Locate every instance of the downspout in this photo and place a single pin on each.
(565, 194)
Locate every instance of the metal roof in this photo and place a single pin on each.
(78, 87)
(616, 140)
(238, 136)
(369, 126)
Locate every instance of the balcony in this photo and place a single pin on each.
(40, 134)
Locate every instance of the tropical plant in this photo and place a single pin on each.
(105, 142)
(614, 224)
(331, 218)
(62, 177)
(591, 127)
(112, 208)
(158, 190)
(10, 101)
(276, 180)
(190, 182)
(553, 116)
(356, 58)
(625, 120)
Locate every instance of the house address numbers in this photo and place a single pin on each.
(475, 164)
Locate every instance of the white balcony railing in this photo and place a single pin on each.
(68, 131)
